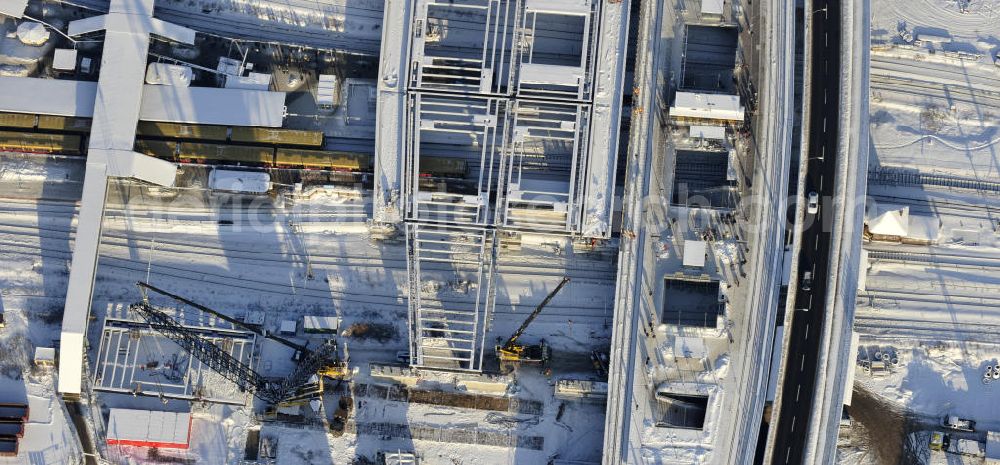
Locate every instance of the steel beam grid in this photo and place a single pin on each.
(117, 359)
(448, 331)
(547, 138)
(530, 84)
(445, 57)
(459, 128)
(203, 349)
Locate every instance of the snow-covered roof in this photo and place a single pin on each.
(254, 81)
(287, 326)
(923, 227)
(326, 93)
(64, 59)
(320, 323)
(993, 447)
(708, 132)
(45, 353)
(210, 105)
(254, 182)
(708, 106)
(63, 97)
(694, 253)
(167, 74)
(13, 8)
(888, 220)
(149, 428)
(712, 7)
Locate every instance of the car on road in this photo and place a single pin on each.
(807, 281)
(812, 206)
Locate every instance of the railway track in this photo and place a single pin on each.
(932, 206)
(951, 92)
(938, 259)
(910, 329)
(139, 267)
(249, 253)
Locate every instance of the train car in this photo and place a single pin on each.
(29, 142)
(443, 167)
(17, 120)
(64, 123)
(182, 131)
(276, 136)
(225, 154)
(322, 160)
(166, 150)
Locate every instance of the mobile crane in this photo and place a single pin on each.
(322, 361)
(511, 351)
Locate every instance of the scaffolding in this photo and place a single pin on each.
(451, 294)
(543, 166)
(463, 46)
(556, 49)
(454, 157)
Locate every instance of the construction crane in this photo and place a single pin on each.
(511, 351)
(322, 361)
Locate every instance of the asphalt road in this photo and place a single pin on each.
(798, 393)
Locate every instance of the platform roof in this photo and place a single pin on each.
(210, 105)
(708, 106)
(194, 105)
(63, 97)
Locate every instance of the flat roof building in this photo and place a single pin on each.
(148, 428)
(713, 107)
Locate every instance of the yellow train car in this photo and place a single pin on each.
(225, 154)
(162, 149)
(64, 123)
(182, 131)
(444, 167)
(17, 120)
(322, 160)
(28, 142)
(276, 136)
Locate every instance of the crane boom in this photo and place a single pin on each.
(222, 362)
(527, 321)
(143, 286)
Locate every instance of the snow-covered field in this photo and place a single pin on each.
(935, 109)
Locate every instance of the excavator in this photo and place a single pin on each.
(513, 353)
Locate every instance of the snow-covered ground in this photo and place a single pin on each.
(260, 259)
(935, 108)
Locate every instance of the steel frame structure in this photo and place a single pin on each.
(117, 365)
(547, 138)
(469, 130)
(463, 46)
(448, 329)
(545, 74)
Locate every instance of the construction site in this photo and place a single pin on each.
(249, 250)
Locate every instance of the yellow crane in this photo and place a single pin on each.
(511, 351)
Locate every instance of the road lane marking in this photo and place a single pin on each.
(816, 245)
(792, 430)
(798, 390)
(821, 183)
(810, 301)
(807, 331)
(802, 366)
(788, 455)
(824, 124)
(824, 96)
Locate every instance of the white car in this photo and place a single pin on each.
(813, 205)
